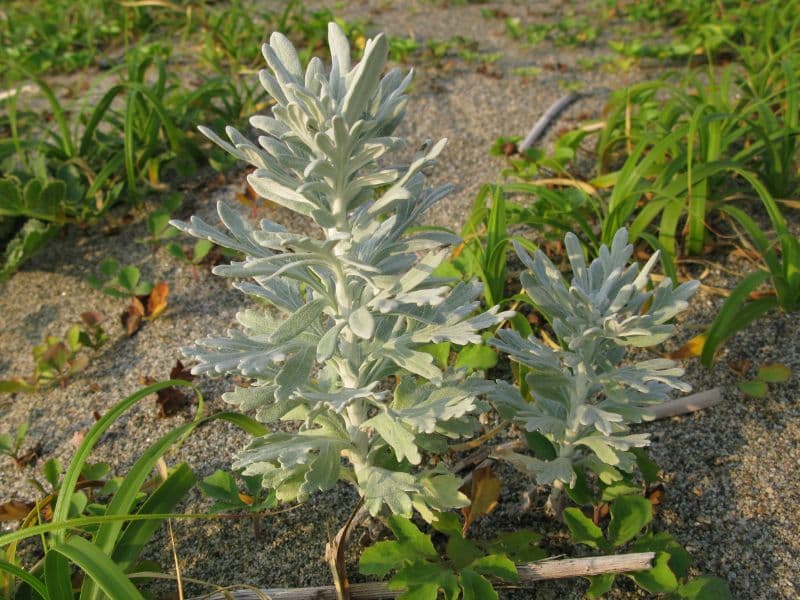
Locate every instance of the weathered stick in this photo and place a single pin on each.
(688, 404)
(583, 567)
(528, 573)
(544, 121)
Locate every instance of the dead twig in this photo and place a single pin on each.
(688, 404)
(545, 120)
(528, 573)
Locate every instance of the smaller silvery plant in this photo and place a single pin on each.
(339, 353)
(584, 394)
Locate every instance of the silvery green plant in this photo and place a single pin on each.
(585, 395)
(353, 305)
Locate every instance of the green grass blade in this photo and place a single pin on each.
(57, 576)
(99, 567)
(757, 236)
(106, 536)
(61, 510)
(624, 197)
(162, 500)
(58, 116)
(731, 319)
(97, 116)
(35, 584)
(128, 137)
(668, 226)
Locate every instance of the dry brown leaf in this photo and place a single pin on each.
(132, 317)
(655, 494)
(15, 510)
(694, 347)
(740, 367)
(181, 372)
(91, 318)
(483, 496)
(157, 300)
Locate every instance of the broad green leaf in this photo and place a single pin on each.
(774, 373)
(476, 356)
(580, 492)
(201, 250)
(679, 561)
(447, 523)
(52, 472)
(407, 533)
(220, 485)
(583, 530)
(519, 546)
(384, 557)
(629, 515)
(475, 586)
(754, 389)
(424, 591)
(659, 579)
(618, 489)
(542, 448)
(705, 588)
(440, 352)
(496, 565)
(428, 576)
(129, 277)
(461, 551)
(109, 267)
(600, 584)
(647, 467)
(95, 471)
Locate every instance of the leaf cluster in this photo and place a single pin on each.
(583, 397)
(58, 359)
(461, 571)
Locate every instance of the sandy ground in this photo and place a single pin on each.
(730, 498)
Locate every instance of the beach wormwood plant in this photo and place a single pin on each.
(354, 305)
(584, 397)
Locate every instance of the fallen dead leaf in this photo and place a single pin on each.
(157, 300)
(740, 367)
(132, 317)
(15, 510)
(692, 348)
(484, 494)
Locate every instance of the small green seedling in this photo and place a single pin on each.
(630, 516)
(11, 446)
(158, 228)
(199, 251)
(56, 359)
(92, 335)
(222, 487)
(120, 282)
(758, 386)
(462, 570)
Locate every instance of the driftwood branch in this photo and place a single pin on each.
(528, 573)
(688, 404)
(544, 121)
